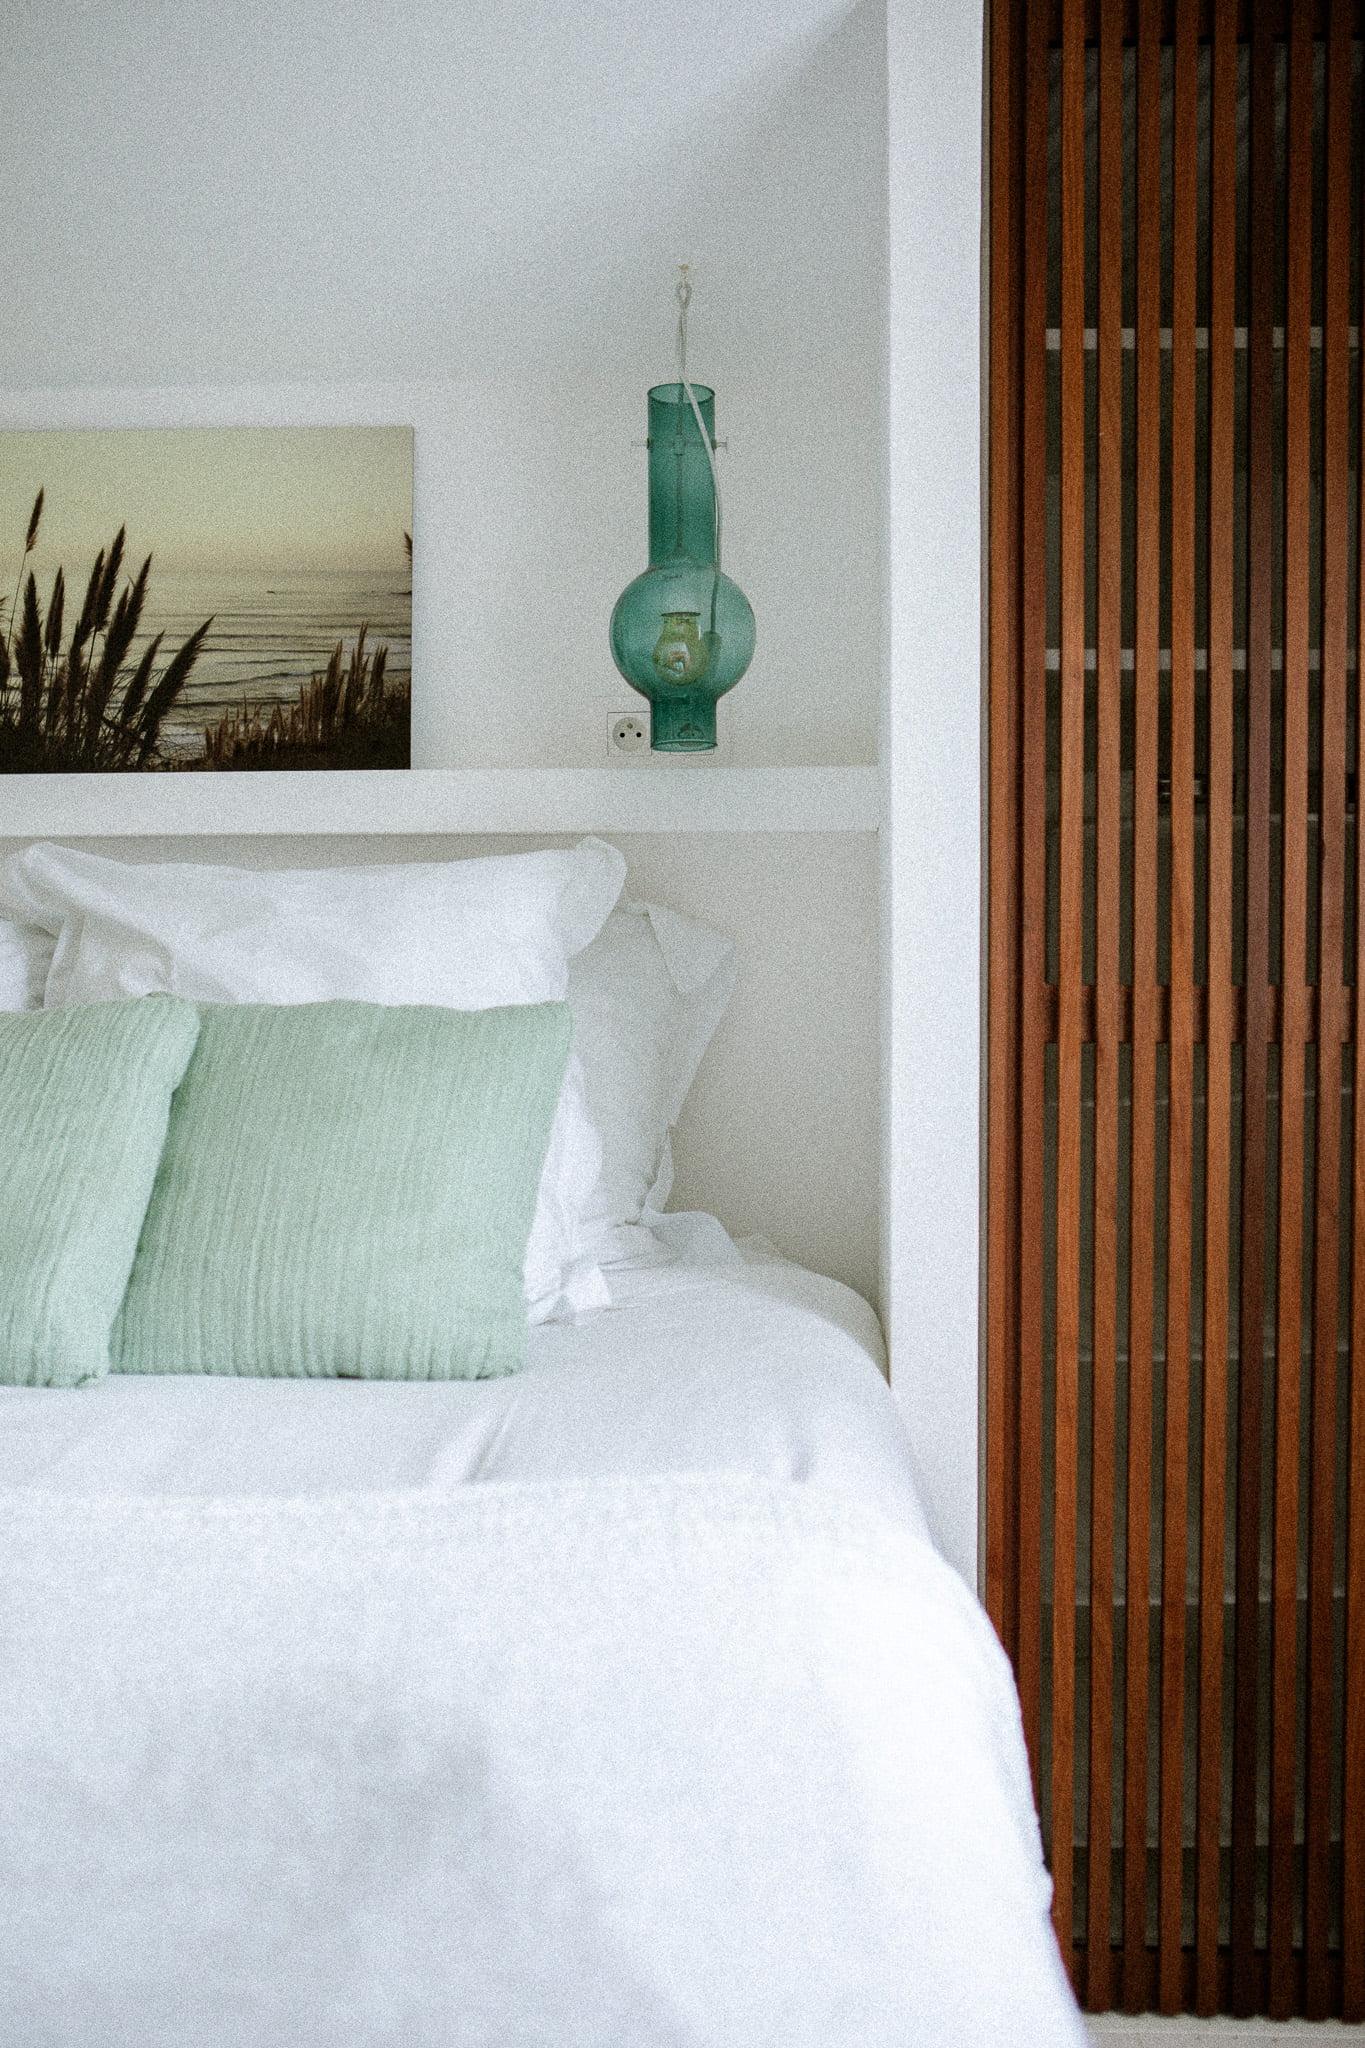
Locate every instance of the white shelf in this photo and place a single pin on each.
(645, 798)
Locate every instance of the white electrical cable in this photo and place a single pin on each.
(684, 300)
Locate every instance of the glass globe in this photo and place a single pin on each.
(682, 633)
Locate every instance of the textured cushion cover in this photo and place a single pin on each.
(84, 1098)
(347, 1190)
(470, 934)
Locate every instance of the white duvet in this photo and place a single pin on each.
(711, 1761)
(623, 1704)
(755, 1367)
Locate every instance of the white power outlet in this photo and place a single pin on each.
(627, 733)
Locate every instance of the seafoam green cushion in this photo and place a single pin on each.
(84, 1098)
(347, 1190)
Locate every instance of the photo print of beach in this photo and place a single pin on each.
(179, 598)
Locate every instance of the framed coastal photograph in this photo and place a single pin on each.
(205, 598)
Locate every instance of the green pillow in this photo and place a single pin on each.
(347, 1190)
(84, 1098)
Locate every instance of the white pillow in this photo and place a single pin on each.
(25, 957)
(646, 996)
(466, 934)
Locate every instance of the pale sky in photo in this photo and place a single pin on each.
(268, 499)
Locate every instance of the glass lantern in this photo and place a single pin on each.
(682, 634)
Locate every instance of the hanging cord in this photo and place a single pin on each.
(684, 297)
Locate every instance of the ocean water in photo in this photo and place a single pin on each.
(270, 633)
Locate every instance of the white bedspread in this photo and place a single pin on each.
(656, 1763)
(761, 1369)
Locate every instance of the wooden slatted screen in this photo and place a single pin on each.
(1175, 1393)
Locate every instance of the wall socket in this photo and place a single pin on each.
(627, 733)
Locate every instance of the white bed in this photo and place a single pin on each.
(622, 1703)
(756, 1367)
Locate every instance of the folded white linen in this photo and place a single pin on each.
(25, 957)
(602, 1765)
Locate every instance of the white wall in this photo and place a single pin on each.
(231, 191)
(468, 217)
(529, 520)
(933, 750)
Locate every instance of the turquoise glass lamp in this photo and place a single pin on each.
(682, 634)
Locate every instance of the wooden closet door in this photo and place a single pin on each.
(1175, 1387)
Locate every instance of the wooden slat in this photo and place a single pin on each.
(1258, 1991)
(1293, 1031)
(1071, 973)
(1002, 1260)
(1343, 1024)
(1218, 1068)
(1260, 528)
(1204, 12)
(1353, 1765)
(1146, 688)
(1108, 859)
(1033, 661)
(1322, 1468)
(1174, 1540)
(1278, 1972)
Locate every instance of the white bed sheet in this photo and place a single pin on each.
(693, 1740)
(755, 1368)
